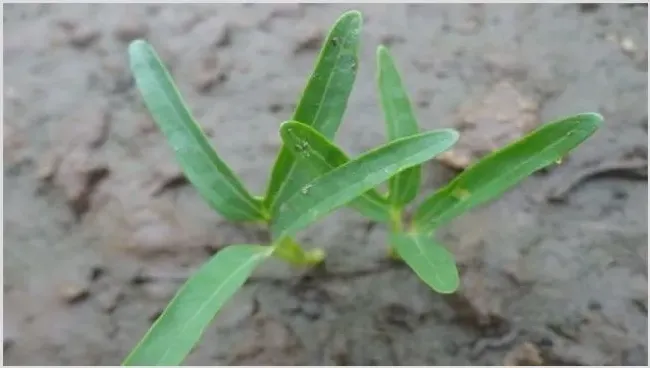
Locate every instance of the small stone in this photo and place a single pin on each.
(206, 80)
(479, 301)
(47, 166)
(223, 38)
(73, 293)
(391, 39)
(310, 41)
(78, 175)
(209, 75)
(523, 355)
(505, 64)
(109, 299)
(129, 29)
(83, 36)
(275, 107)
(628, 46)
(454, 160)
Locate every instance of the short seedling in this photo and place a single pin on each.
(312, 177)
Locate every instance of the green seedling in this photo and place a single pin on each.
(295, 197)
(312, 177)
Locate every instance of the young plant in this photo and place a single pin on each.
(412, 241)
(312, 177)
(295, 197)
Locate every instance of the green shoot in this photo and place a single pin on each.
(322, 105)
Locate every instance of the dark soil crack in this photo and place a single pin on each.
(636, 169)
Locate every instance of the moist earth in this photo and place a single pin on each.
(101, 228)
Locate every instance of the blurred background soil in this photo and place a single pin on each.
(100, 229)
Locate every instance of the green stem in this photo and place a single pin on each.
(290, 251)
(395, 226)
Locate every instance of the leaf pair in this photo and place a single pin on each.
(322, 105)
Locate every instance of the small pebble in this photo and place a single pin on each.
(310, 41)
(74, 293)
(130, 29)
(82, 36)
(628, 46)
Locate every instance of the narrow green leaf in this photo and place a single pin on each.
(434, 264)
(182, 323)
(213, 179)
(321, 157)
(323, 102)
(504, 168)
(347, 182)
(400, 122)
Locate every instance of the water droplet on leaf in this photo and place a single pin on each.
(305, 189)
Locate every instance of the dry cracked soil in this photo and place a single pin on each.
(100, 228)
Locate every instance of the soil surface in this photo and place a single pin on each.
(100, 228)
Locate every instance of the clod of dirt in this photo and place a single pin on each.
(47, 166)
(78, 175)
(310, 40)
(489, 122)
(129, 29)
(267, 342)
(167, 175)
(74, 293)
(505, 64)
(476, 302)
(110, 298)
(79, 35)
(87, 127)
(391, 39)
(523, 355)
(223, 37)
(209, 75)
(275, 107)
